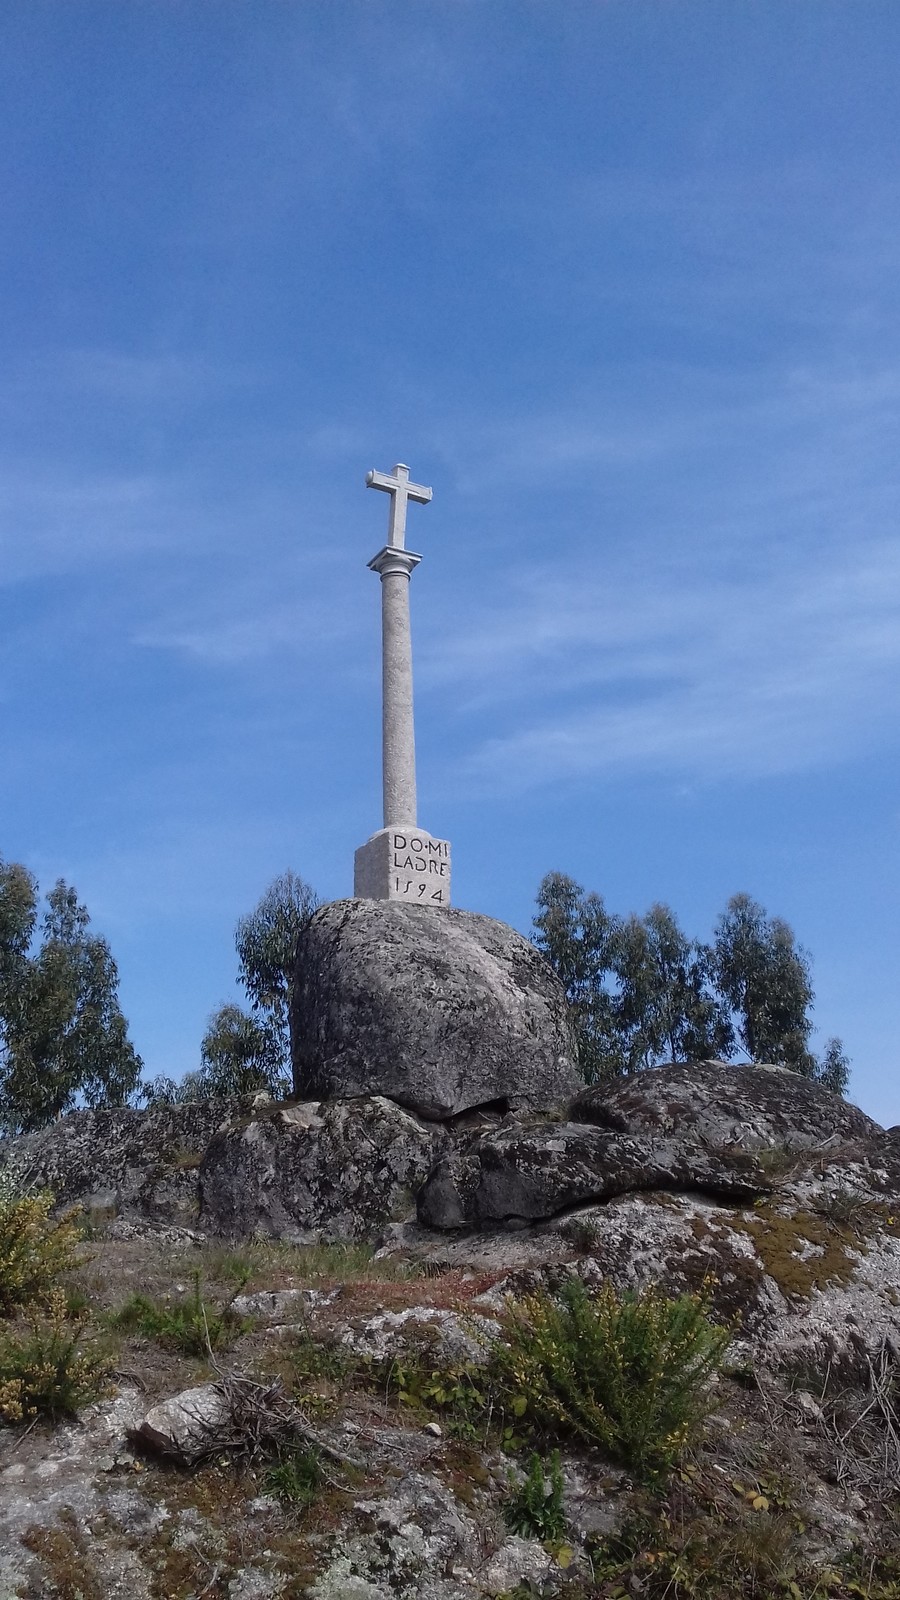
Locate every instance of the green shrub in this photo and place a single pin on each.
(627, 1373)
(44, 1372)
(535, 1509)
(192, 1326)
(296, 1476)
(34, 1246)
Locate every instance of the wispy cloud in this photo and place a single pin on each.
(227, 632)
(684, 677)
(747, 623)
(52, 522)
(163, 379)
(87, 479)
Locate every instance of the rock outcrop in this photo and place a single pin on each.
(439, 1010)
(521, 1175)
(123, 1162)
(776, 1201)
(344, 1169)
(744, 1108)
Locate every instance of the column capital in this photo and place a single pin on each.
(392, 560)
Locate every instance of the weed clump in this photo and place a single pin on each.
(460, 1394)
(535, 1509)
(701, 1557)
(295, 1476)
(34, 1246)
(191, 1326)
(627, 1373)
(261, 1260)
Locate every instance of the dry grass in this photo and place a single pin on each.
(272, 1264)
(862, 1425)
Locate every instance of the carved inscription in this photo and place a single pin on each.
(400, 863)
(417, 866)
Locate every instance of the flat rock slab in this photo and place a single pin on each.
(530, 1174)
(450, 1340)
(745, 1107)
(404, 1546)
(440, 1010)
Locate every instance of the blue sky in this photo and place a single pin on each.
(621, 282)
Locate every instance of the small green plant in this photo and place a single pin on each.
(234, 1267)
(45, 1372)
(846, 1208)
(535, 1509)
(78, 1304)
(458, 1394)
(776, 1160)
(296, 1476)
(627, 1373)
(315, 1370)
(873, 1575)
(192, 1326)
(35, 1247)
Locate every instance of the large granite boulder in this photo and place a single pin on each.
(747, 1107)
(440, 1010)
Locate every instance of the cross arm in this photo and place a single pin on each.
(387, 480)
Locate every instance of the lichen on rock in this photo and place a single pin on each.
(346, 1168)
(441, 1010)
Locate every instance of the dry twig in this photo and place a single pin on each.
(263, 1417)
(868, 1450)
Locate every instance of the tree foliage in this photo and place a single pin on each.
(266, 943)
(240, 1054)
(642, 993)
(667, 1007)
(579, 936)
(63, 1038)
(765, 978)
(246, 1052)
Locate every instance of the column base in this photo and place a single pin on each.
(403, 864)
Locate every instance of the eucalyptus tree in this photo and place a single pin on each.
(247, 1051)
(63, 1038)
(641, 992)
(766, 979)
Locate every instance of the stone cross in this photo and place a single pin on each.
(400, 490)
(401, 862)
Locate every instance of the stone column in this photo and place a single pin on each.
(401, 861)
(398, 731)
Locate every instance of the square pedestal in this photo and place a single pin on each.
(403, 864)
